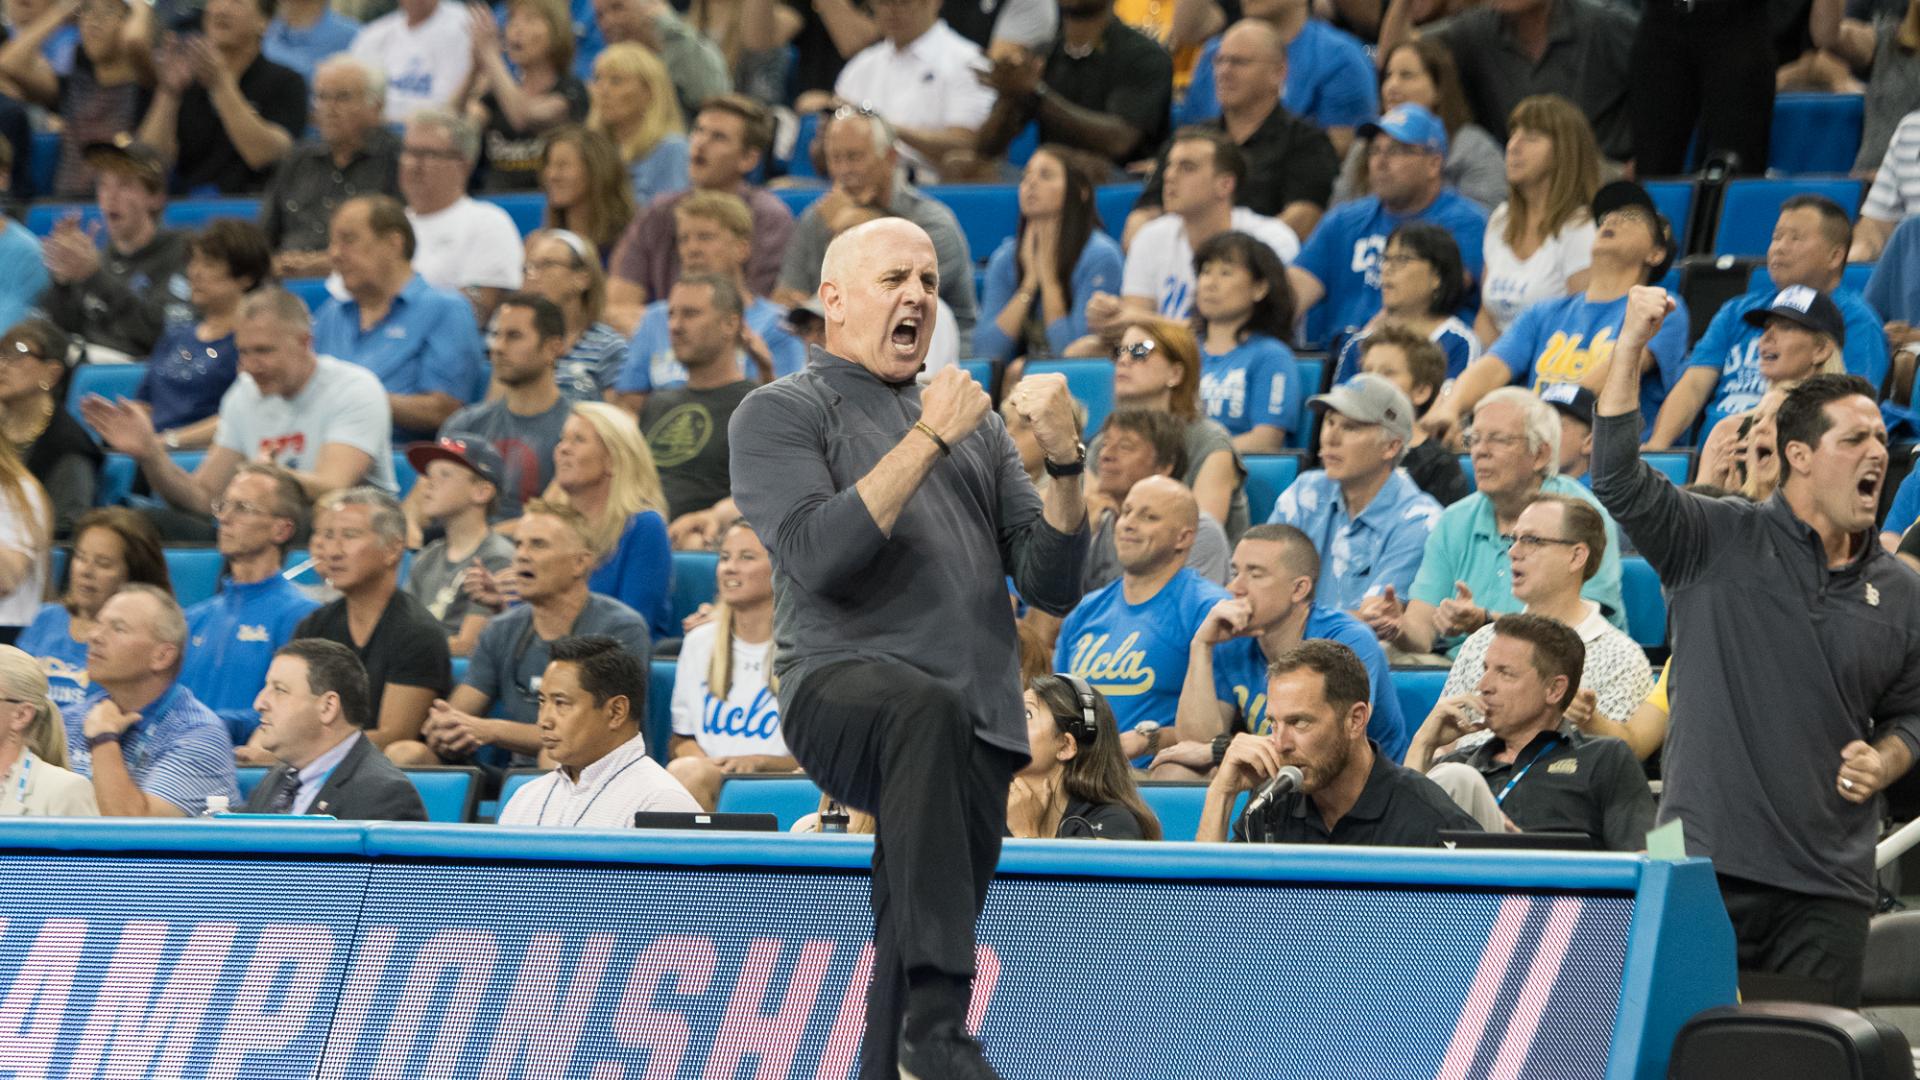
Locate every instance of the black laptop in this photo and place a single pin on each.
(1474, 839)
(684, 820)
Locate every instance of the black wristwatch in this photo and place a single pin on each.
(95, 742)
(1072, 468)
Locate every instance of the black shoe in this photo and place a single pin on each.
(945, 1054)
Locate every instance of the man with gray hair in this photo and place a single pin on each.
(1465, 577)
(354, 154)
(1366, 517)
(359, 537)
(149, 746)
(323, 420)
(459, 242)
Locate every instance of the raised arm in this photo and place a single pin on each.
(1045, 552)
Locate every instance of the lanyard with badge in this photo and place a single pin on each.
(1501, 799)
(20, 790)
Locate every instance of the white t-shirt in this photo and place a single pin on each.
(1160, 262)
(607, 795)
(929, 84)
(748, 721)
(424, 65)
(341, 403)
(470, 244)
(1510, 284)
(18, 607)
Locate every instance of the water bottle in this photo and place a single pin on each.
(834, 818)
(219, 804)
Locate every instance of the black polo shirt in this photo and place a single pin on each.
(1398, 808)
(1588, 43)
(1569, 781)
(207, 155)
(308, 187)
(1127, 75)
(1288, 161)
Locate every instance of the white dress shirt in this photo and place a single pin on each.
(929, 84)
(607, 795)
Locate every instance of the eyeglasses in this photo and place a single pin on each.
(1495, 439)
(338, 97)
(1400, 259)
(431, 155)
(1523, 541)
(541, 266)
(1386, 146)
(1135, 353)
(848, 112)
(223, 507)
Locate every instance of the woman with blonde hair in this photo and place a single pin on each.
(562, 267)
(588, 190)
(1539, 243)
(633, 105)
(603, 469)
(34, 779)
(26, 535)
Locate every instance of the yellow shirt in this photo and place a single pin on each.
(1658, 699)
(1154, 18)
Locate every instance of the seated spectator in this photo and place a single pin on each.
(1076, 784)
(118, 301)
(1040, 280)
(863, 162)
(103, 90)
(753, 41)
(524, 421)
(1323, 76)
(1532, 670)
(603, 469)
(1129, 638)
(1888, 47)
(1741, 456)
(1350, 792)
(1892, 289)
(460, 480)
(1270, 610)
(586, 188)
(1364, 515)
(1557, 546)
(732, 136)
(304, 34)
(112, 547)
(425, 49)
(193, 364)
(1575, 404)
(1250, 382)
(923, 77)
(58, 451)
(593, 700)
(514, 106)
(315, 706)
(358, 538)
(1553, 172)
(149, 746)
(1419, 369)
(23, 270)
(1422, 284)
(460, 243)
(33, 747)
(1104, 88)
(222, 114)
(686, 426)
(421, 341)
(726, 719)
(1802, 334)
(498, 702)
(1808, 249)
(1570, 339)
(698, 71)
(231, 635)
(1136, 444)
(1341, 262)
(324, 420)
(1894, 194)
(632, 105)
(1575, 48)
(1423, 73)
(353, 154)
(26, 536)
(1465, 578)
(715, 238)
(562, 269)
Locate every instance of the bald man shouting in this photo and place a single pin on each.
(893, 514)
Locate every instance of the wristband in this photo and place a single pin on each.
(1220, 743)
(922, 427)
(95, 742)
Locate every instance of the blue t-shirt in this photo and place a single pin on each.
(1330, 80)
(1098, 270)
(1240, 678)
(23, 276)
(1343, 254)
(427, 342)
(1900, 516)
(1257, 383)
(231, 639)
(1558, 340)
(651, 364)
(1136, 654)
(1454, 337)
(186, 376)
(49, 639)
(639, 573)
(302, 50)
(1733, 347)
(662, 172)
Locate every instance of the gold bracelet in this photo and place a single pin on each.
(922, 427)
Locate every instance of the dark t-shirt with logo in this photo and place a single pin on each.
(687, 432)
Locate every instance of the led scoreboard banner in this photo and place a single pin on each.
(237, 950)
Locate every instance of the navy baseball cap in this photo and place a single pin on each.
(1571, 399)
(473, 452)
(1625, 194)
(1807, 307)
(1414, 125)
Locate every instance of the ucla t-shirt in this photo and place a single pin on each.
(1136, 654)
(1240, 678)
(49, 639)
(1344, 255)
(1257, 383)
(1559, 340)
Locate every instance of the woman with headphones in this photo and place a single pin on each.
(1078, 784)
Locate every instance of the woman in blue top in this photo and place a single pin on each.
(632, 103)
(112, 547)
(603, 469)
(192, 366)
(1422, 284)
(1242, 312)
(1039, 280)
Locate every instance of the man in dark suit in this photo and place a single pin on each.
(312, 711)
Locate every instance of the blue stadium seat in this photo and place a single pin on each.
(988, 213)
(46, 162)
(1115, 202)
(311, 290)
(660, 709)
(799, 198)
(460, 669)
(1024, 144)
(526, 208)
(787, 798)
(108, 380)
(42, 217)
(1748, 210)
(514, 781)
(114, 484)
(196, 212)
(1313, 376)
(981, 370)
(1178, 805)
(249, 777)
(57, 566)
(1815, 133)
(1853, 277)
(1267, 476)
(195, 573)
(1089, 380)
(1418, 689)
(800, 165)
(1646, 606)
(692, 581)
(1466, 469)
(403, 474)
(1674, 199)
(449, 791)
(1675, 465)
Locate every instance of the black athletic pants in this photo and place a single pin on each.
(1712, 66)
(884, 738)
(1809, 937)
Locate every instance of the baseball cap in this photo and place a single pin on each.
(1571, 399)
(1808, 307)
(471, 451)
(1369, 399)
(1410, 124)
(128, 154)
(1622, 194)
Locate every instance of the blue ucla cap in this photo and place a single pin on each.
(1410, 124)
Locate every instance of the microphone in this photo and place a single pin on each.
(1287, 779)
